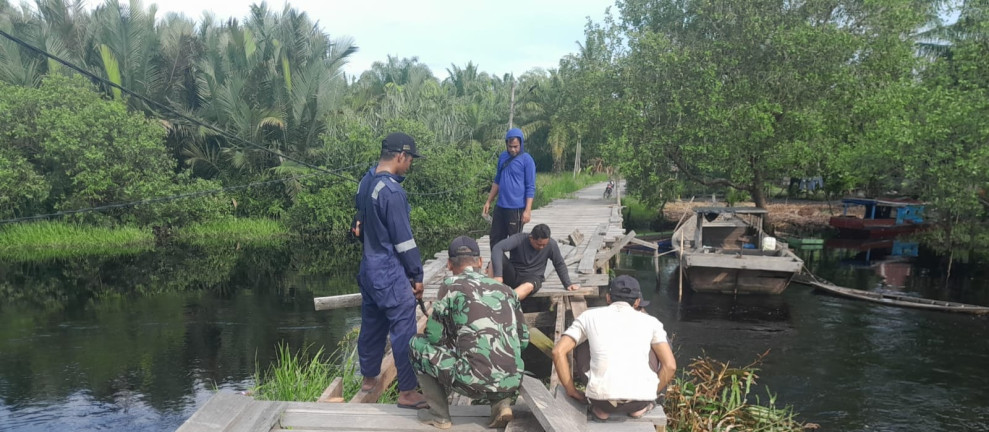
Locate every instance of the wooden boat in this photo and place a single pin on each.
(893, 299)
(882, 218)
(725, 250)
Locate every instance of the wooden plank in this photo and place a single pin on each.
(333, 392)
(547, 410)
(379, 417)
(578, 305)
(219, 412)
(644, 243)
(576, 237)
(376, 409)
(603, 258)
(587, 260)
(260, 416)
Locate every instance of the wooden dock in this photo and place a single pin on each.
(589, 231)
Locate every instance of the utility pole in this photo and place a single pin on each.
(511, 109)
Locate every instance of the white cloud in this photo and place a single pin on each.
(501, 37)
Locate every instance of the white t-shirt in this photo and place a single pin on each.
(620, 340)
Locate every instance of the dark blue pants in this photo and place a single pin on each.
(398, 323)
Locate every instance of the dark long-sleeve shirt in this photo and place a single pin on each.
(526, 259)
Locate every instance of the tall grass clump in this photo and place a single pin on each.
(294, 376)
(231, 229)
(56, 239)
(302, 378)
(713, 396)
(562, 185)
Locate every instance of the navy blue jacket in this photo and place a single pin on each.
(390, 258)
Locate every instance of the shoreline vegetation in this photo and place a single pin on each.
(61, 239)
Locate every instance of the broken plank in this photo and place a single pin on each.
(576, 237)
(587, 260)
(551, 415)
(602, 259)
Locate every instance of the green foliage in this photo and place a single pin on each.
(47, 240)
(712, 395)
(294, 376)
(232, 230)
(90, 152)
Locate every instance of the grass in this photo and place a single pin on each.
(562, 185)
(712, 395)
(228, 230)
(302, 377)
(55, 239)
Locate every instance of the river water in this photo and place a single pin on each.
(140, 342)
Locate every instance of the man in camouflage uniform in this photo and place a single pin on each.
(473, 341)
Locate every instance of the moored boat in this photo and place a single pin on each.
(882, 218)
(725, 250)
(895, 299)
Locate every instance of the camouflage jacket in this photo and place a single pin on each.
(480, 320)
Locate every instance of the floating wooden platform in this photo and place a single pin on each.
(590, 231)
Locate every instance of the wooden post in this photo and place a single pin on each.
(511, 107)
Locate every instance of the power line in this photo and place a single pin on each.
(165, 198)
(164, 107)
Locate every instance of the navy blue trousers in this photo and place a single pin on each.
(377, 323)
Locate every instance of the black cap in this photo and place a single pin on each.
(400, 142)
(627, 288)
(464, 246)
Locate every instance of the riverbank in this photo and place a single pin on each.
(784, 216)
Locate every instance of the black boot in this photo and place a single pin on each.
(438, 414)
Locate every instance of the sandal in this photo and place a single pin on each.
(643, 411)
(594, 415)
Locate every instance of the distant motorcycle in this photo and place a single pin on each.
(608, 189)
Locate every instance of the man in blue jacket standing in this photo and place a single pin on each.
(515, 186)
(391, 272)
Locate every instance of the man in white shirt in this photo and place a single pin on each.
(620, 338)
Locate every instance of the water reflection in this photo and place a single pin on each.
(138, 342)
(847, 365)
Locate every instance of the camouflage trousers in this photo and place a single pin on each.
(453, 372)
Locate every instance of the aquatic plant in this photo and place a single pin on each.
(713, 396)
(56, 239)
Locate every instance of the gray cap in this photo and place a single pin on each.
(464, 246)
(627, 287)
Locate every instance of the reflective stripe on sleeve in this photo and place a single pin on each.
(377, 188)
(405, 246)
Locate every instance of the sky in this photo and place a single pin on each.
(505, 36)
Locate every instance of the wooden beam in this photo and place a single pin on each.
(539, 340)
(551, 414)
(578, 305)
(644, 243)
(333, 392)
(561, 316)
(337, 301)
(603, 258)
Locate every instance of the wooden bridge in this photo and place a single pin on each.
(589, 230)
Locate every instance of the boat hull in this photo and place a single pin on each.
(739, 275)
(853, 227)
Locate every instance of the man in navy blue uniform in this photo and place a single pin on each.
(515, 186)
(391, 272)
